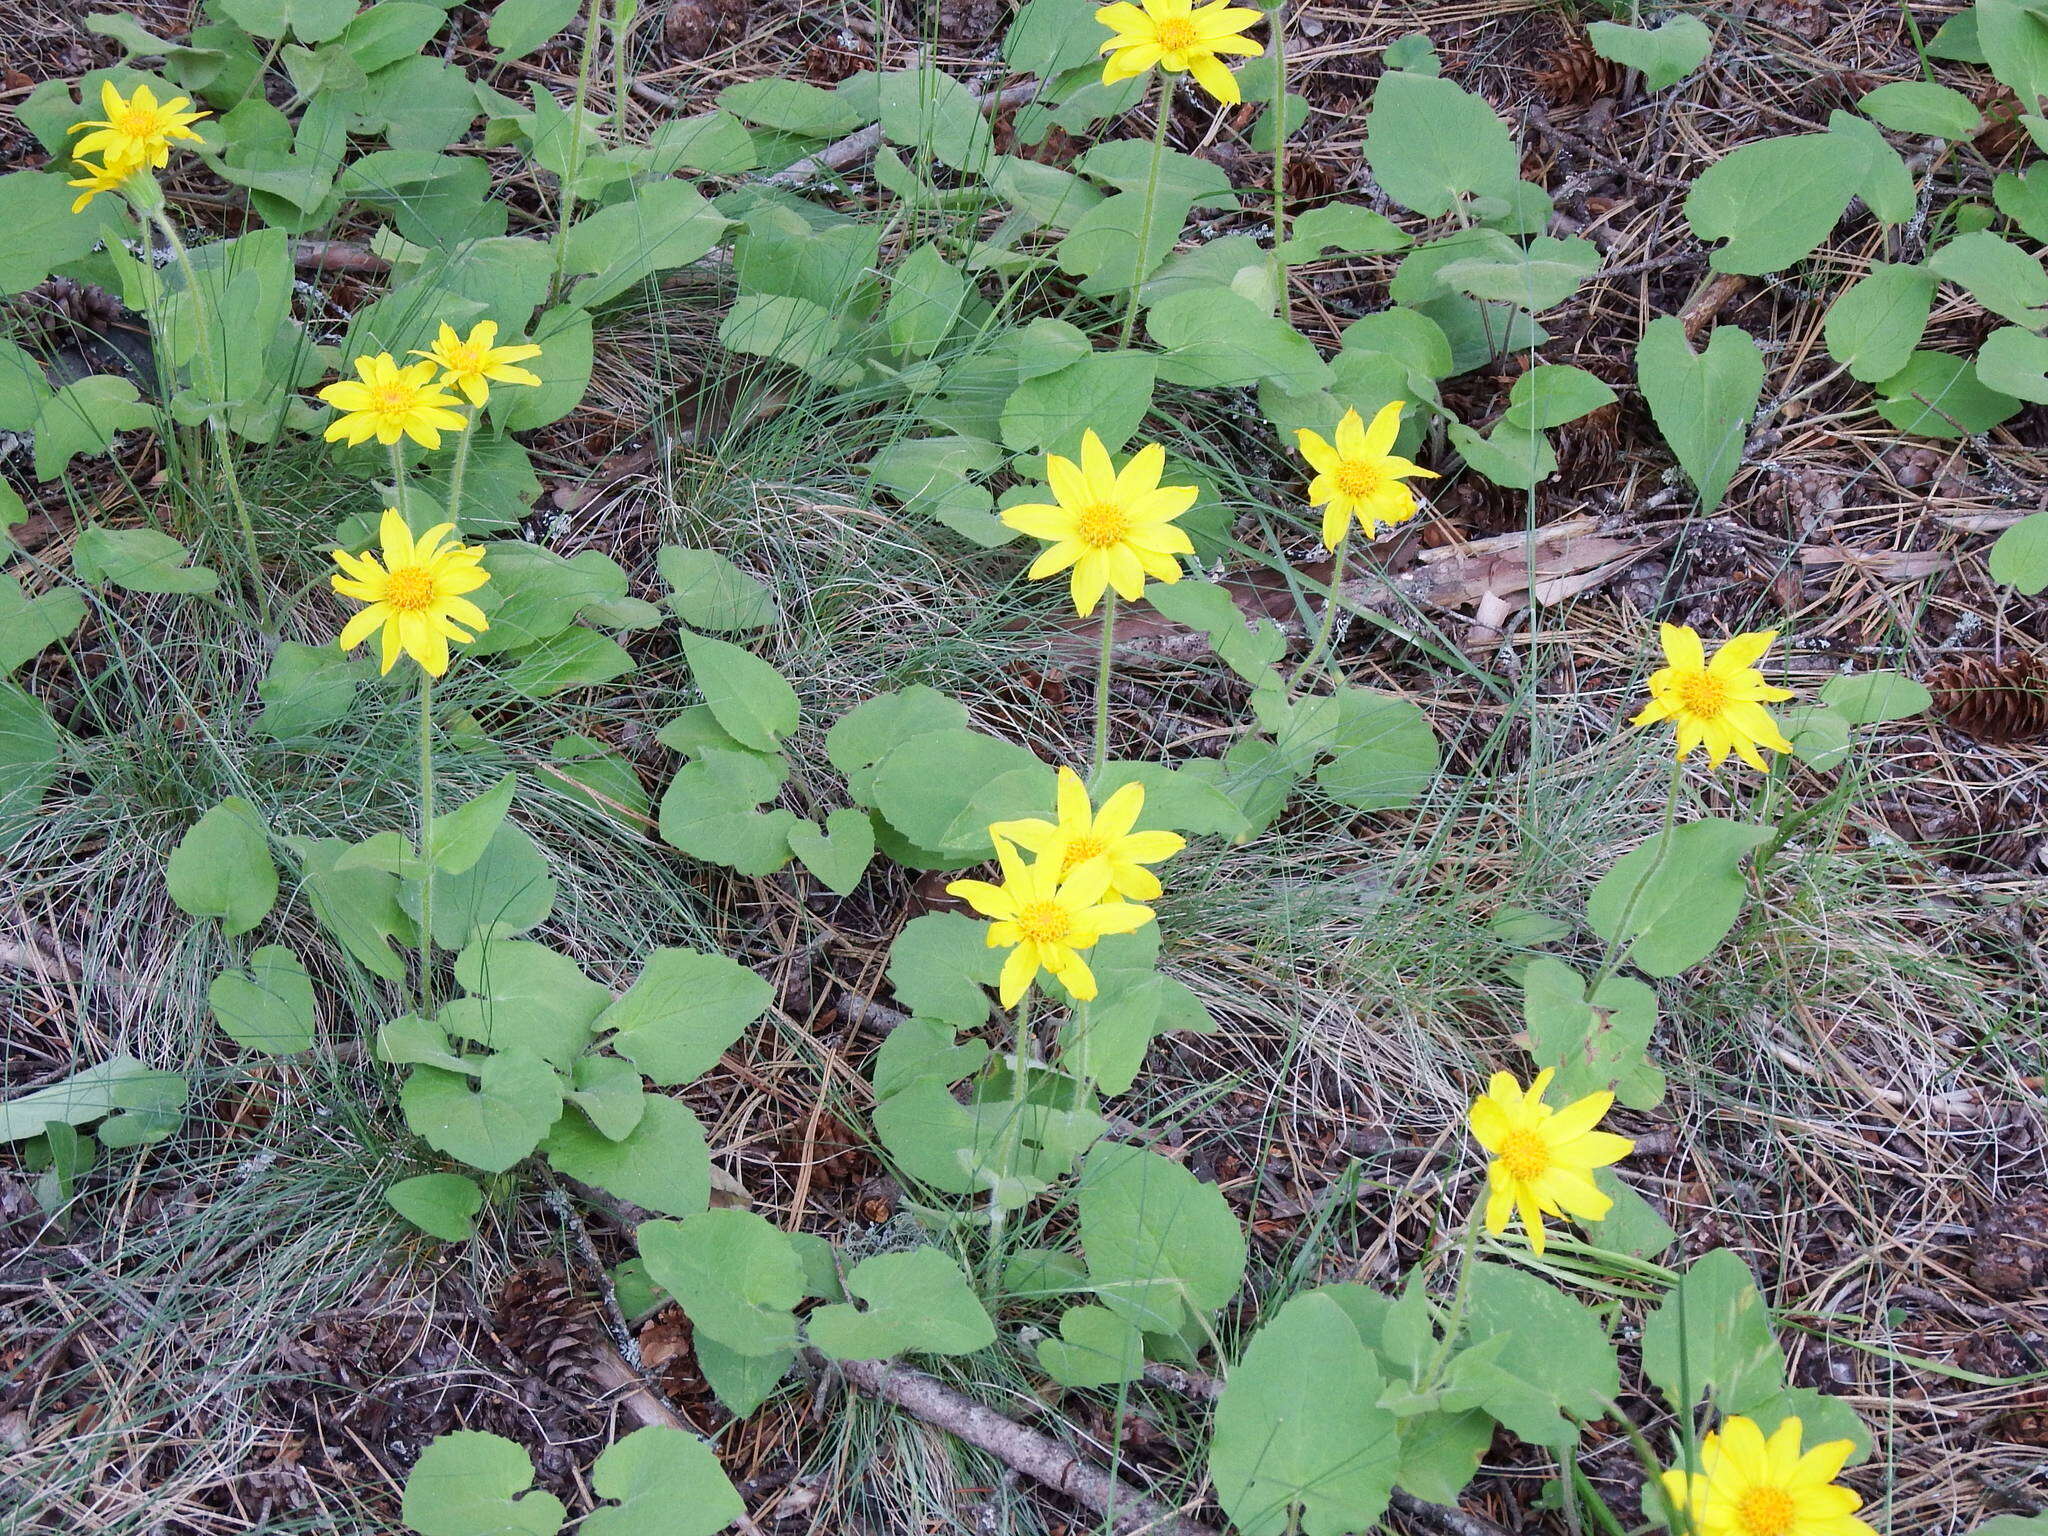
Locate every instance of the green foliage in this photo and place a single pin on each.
(1702, 401)
(1538, 1360)
(737, 1277)
(660, 1481)
(132, 1102)
(1162, 1247)
(442, 1205)
(1597, 1043)
(222, 867)
(28, 625)
(1674, 899)
(682, 1013)
(492, 1121)
(268, 1008)
(1874, 326)
(917, 1303)
(1300, 1441)
(467, 1483)
(1665, 54)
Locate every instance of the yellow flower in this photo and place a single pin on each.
(386, 401)
(1113, 529)
(1750, 1486)
(466, 363)
(1046, 918)
(1718, 703)
(98, 179)
(1357, 478)
(415, 596)
(1178, 38)
(1543, 1158)
(136, 131)
(1083, 836)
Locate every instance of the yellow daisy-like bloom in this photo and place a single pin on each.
(1046, 918)
(98, 179)
(1114, 529)
(1543, 1158)
(1356, 477)
(386, 401)
(1751, 1486)
(415, 595)
(474, 362)
(136, 131)
(1178, 38)
(1083, 836)
(1718, 703)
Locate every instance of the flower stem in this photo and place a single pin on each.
(455, 474)
(426, 842)
(1013, 1134)
(1327, 630)
(1105, 665)
(593, 29)
(1159, 133)
(216, 387)
(1277, 26)
(398, 478)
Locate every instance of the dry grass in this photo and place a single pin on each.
(235, 1336)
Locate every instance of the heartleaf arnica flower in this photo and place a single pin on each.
(1045, 919)
(137, 130)
(1115, 529)
(387, 401)
(415, 595)
(98, 179)
(1717, 704)
(1083, 835)
(474, 362)
(1543, 1158)
(1750, 1485)
(1357, 477)
(1179, 38)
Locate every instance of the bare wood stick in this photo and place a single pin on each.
(1037, 1456)
(1708, 302)
(337, 256)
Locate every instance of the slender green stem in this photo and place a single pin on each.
(1105, 666)
(1277, 24)
(398, 478)
(461, 466)
(426, 843)
(1454, 1317)
(1328, 628)
(624, 14)
(216, 388)
(593, 28)
(1013, 1137)
(1144, 267)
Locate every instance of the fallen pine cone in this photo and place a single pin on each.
(1995, 701)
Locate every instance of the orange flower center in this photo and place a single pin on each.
(1358, 479)
(1080, 851)
(1044, 922)
(1703, 694)
(136, 123)
(391, 399)
(1177, 34)
(1765, 1512)
(409, 589)
(464, 360)
(1524, 1154)
(1101, 525)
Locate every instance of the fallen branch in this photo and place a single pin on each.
(1039, 1457)
(337, 256)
